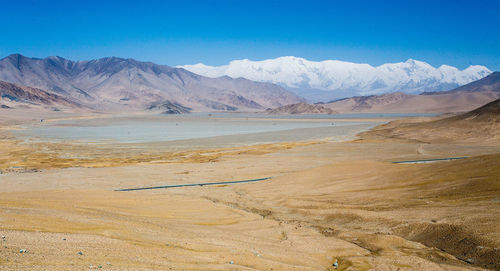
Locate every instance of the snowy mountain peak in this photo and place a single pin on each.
(346, 78)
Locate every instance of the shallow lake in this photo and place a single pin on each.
(141, 129)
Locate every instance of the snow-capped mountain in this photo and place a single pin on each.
(342, 78)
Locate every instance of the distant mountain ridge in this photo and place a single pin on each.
(461, 99)
(321, 81)
(488, 83)
(126, 84)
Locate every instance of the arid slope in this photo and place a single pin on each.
(481, 126)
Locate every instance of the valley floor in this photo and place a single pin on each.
(326, 201)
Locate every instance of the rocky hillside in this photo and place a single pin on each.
(12, 96)
(301, 108)
(168, 107)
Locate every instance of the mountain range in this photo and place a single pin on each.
(463, 98)
(118, 84)
(329, 79)
(126, 84)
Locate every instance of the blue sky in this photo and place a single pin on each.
(458, 33)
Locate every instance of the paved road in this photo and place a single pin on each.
(193, 184)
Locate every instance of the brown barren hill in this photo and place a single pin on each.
(487, 113)
(481, 125)
(461, 99)
(301, 108)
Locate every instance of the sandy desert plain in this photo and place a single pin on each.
(330, 199)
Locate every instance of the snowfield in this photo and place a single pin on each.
(411, 76)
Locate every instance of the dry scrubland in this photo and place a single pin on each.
(327, 201)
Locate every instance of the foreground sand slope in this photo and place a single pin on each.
(362, 210)
(326, 201)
